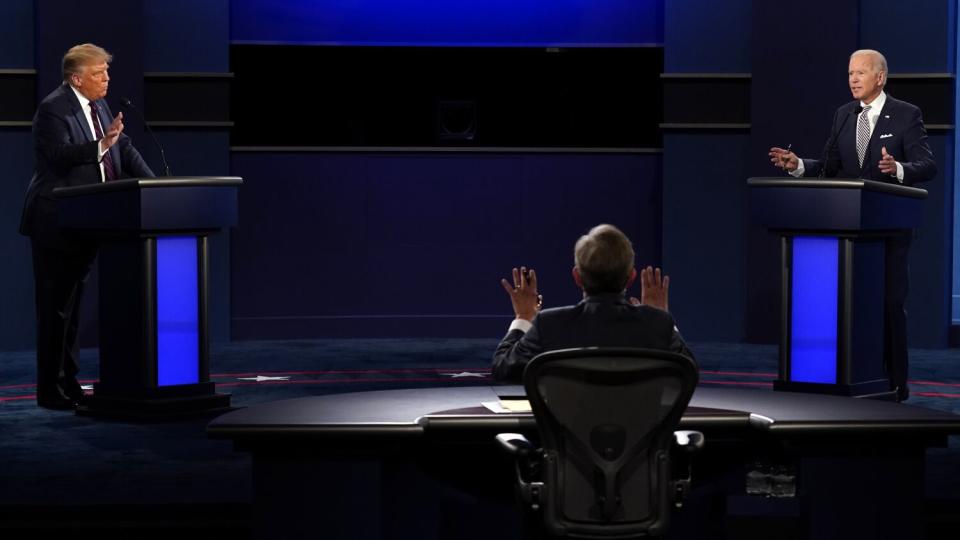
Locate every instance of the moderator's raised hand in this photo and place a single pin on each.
(523, 293)
(654, 289)
(784, 159)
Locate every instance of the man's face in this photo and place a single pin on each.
(92, 81)
(866, 81)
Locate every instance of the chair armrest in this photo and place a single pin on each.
(691, 441)
(515, 444)
(688, 442)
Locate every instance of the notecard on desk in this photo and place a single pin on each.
(507, 406)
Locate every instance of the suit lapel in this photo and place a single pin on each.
(873, 148)
(883, 127)
(78, 113)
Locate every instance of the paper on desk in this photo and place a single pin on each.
(507, 406)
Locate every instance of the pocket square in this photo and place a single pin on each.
(887, 135)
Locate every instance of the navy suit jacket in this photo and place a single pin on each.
(899, 128)
(66, 154)
(603, 320)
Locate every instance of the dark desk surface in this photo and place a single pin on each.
(415, 412)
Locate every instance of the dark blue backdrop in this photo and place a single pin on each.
(374, 244)
(420, 208)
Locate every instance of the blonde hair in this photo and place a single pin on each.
(82, 55)
(604, 259)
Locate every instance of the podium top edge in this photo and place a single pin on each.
(834, 183)
(144, 183)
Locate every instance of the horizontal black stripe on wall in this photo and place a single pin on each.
(932, 92)
(187, 99)
(709, 100)
(18, 94)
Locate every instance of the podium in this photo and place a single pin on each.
(833, 235)
(153, 260)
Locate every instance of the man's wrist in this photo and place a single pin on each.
(521, 324)
(798, 172)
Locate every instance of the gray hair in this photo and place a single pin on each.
(604, 259)
(879, 61)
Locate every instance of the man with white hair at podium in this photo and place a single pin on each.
(880, 138)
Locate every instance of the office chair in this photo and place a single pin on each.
(606, 419)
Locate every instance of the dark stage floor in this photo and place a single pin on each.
(59, 466)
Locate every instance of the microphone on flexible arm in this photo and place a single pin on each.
(128, 103)
(832, 141)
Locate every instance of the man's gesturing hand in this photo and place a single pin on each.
(887, 164)
(523, 293)
(654, 289)
(784, 159)
(113, 133)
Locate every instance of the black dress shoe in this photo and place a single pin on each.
(76, 394)
(57, 403)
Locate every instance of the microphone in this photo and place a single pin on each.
(128, 103)
(832, 141)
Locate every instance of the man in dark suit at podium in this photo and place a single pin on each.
(77, 141)
(876, 137)
(604, 270)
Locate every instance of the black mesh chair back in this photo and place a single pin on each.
(606, 419)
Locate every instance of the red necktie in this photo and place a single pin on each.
(108, 172)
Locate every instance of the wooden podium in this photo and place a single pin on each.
(833, 235)
(154, 339)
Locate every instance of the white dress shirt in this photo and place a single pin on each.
(88, 114)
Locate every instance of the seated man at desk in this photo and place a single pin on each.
(604, 270)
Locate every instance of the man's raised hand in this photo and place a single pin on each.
(113, 133)
(654, 289)
(523, 293)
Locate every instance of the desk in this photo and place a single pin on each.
(386, 464)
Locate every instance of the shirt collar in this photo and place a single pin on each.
(608, 298)
(877, 104)
(84, 102)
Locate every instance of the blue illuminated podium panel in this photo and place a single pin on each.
(833, 239)
(813, 308)
(152, 235)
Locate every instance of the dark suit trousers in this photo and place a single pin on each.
(60, 276)
(895, 316)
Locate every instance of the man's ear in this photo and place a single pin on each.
(631, 279)
(576, 277)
